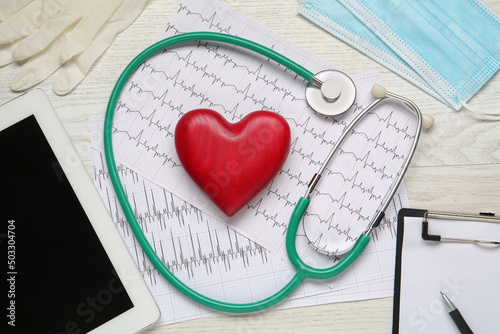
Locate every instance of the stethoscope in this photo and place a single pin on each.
(328, 93)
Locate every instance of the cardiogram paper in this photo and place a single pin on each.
(211, 257)
(239, 259)
(235, 82)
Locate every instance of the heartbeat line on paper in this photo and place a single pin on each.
(217, 79)
(185, 237)
(240, 258)
(210, 20)
(244, 93)
(235, 82)
(197, 248)
(193, 246)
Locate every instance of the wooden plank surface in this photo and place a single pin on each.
(456, 167)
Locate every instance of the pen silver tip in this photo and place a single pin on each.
(449, 305)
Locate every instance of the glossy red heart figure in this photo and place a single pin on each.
(232, 162)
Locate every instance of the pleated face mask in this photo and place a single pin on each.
(332, 16)
(453, 45)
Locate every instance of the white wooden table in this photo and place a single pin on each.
(456, 167)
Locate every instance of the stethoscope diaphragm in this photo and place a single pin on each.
(334, 96)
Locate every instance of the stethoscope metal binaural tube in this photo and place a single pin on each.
(381, 94)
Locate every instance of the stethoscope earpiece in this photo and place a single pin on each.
(427, 121)
(379, 91)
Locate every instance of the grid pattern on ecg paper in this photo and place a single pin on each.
(194, 240)
(235, 82)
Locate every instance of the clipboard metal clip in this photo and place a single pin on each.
(445, 215)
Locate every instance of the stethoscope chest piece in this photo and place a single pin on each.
(331, 93)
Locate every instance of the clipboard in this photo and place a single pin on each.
(468, 272)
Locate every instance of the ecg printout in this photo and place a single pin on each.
(372, 281)
(214, 259)
(235, 82)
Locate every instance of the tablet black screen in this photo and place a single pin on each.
(57, 277)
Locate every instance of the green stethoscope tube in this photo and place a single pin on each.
(303, 270)
(306, 271)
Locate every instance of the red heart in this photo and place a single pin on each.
(230, 162)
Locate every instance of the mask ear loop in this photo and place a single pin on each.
(481, 115)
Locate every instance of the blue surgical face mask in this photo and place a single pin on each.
(453, 45)
(332, 16)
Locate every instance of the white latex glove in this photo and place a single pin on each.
(75, 70)
(9, 7)
(21, 19)
(73, 34)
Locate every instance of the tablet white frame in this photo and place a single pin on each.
(145, 311)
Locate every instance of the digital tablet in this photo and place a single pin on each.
(65, 268)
